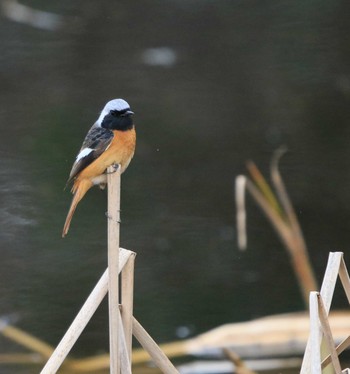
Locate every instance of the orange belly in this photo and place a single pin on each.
(120, 151)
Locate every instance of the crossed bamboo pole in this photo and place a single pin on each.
(321, 338)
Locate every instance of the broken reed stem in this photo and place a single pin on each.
(264, 187)
(240, 366)
(113, 178)
(302, 268)
(241, 216)
(283, 195)
(301, 257)
(297, 251)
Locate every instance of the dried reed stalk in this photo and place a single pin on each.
(26, 340)
(21, 358)
(240, 366)
(279, 210)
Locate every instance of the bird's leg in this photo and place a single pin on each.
(115, 167)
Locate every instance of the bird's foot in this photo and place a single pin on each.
(115, 167)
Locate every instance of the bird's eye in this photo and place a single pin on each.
(114, 113)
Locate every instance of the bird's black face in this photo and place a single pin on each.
(118, 120)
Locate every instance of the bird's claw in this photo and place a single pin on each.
(115, 167)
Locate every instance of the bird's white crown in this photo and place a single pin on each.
(116, 104)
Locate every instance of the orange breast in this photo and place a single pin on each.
(120, 151)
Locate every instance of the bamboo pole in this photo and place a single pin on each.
(340, 348)
(127, 296)
(157, 355)
(344, 277)
(113, 178)
(123, 356)
(315, 354)
(327, 290)
(328, 337)
(78, 325)
(82, 319)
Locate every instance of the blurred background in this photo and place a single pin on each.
(213, 84)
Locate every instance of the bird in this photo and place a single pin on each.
(110, 141)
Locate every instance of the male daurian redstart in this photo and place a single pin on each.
(110, 141)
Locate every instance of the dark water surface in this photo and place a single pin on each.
(212, 83)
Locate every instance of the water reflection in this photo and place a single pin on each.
(244, 78)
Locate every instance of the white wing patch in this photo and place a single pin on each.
(84, 153)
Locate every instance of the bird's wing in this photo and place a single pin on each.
(95, 143)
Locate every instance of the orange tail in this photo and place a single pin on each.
(79, 190)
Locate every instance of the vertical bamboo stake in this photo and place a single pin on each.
(125, 364)
(113, 178)
(127, 296)
(314, 340)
